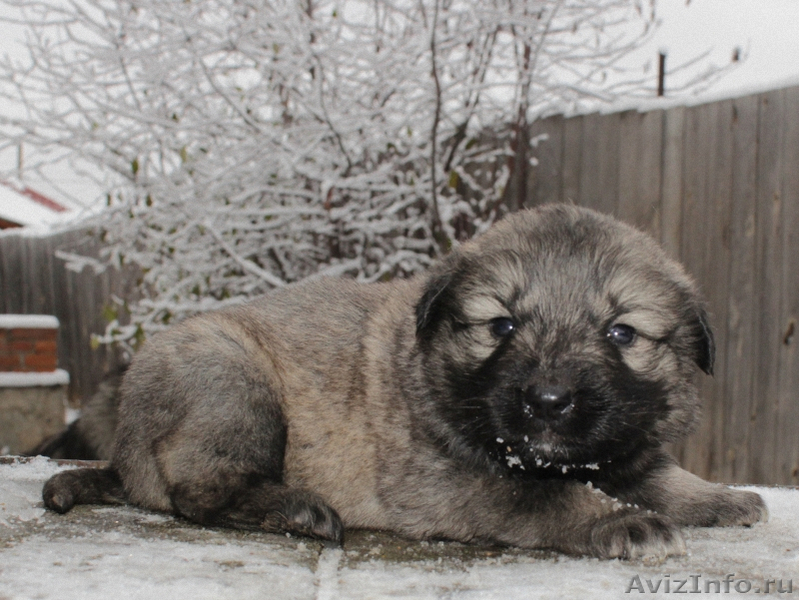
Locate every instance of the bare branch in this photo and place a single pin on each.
(247, 147)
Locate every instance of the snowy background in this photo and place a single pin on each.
(763, 32)
(243, 150)
(111, 552)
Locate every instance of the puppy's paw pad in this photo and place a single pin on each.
(314, 518)
(637, 536)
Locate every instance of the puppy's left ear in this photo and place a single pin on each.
(432, 306)
(704, 344)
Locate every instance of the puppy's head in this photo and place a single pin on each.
(561, 337)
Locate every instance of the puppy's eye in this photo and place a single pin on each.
(502, 327)
(621, 335)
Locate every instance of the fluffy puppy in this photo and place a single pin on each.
(519, 393)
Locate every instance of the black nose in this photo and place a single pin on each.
(548, 401)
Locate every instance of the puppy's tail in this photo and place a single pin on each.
(83, 486)
(69, 443)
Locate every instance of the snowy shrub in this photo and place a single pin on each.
(259, 142)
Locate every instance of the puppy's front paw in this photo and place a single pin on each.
(737, 507)
(636, 536)
(304, 513)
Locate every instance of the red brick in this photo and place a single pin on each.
(45, 346)
(41, 363)
(33, 334)
(9, 363)
(21, 346)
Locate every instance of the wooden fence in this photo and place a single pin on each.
(718, 185)
(34, 281)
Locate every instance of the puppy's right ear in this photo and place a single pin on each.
(705, 345)
(431, 307)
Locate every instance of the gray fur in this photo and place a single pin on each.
(407, 406)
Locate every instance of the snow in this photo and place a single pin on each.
(33, 379)
(11, 321)
(19, 209)
(125, 553)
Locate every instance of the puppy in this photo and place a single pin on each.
(519, 393)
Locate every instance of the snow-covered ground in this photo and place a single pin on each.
(124, 553)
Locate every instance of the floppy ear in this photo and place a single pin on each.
(704, 344)
(430, 308)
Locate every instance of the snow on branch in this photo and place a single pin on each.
(257, 144)
(246, 264)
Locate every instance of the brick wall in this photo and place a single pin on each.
(33, 390)
(28, 343)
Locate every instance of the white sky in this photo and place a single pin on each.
(764, 30)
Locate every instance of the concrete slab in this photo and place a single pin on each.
(29, 413)
(122, 553)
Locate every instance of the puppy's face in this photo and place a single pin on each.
(562, 338)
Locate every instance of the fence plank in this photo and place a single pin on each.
(716, 273)
(599, 163)
(696, 452)
(572, 152)
(741, 309)
(67, 313)
(640, 148)
(5, 278)
(12, 255)
(787, 449)
(37, 280)
(768, 285)
(671, 193)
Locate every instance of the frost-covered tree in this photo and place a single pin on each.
(259, 142)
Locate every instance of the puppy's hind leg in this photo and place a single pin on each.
(277, 508)
(224, 466)
(216, 492)
(82, 486)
